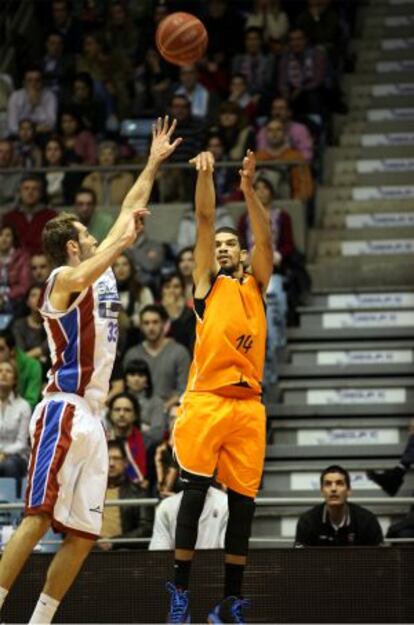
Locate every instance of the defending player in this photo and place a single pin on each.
(69, 458)
(221, 424)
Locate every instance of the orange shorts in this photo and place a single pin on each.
(214, 432)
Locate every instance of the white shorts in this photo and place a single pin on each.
(68, 467)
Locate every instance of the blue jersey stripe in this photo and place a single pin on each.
(68, 374)
(47, 445)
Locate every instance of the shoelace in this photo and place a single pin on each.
(179, 603)
(237, 609)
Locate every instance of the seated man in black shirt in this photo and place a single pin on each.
(337, 523)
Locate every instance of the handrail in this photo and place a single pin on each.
(260, 501)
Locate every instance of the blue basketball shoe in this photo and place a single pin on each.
(179, 605)
(230, 610)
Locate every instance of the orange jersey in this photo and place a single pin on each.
(230, 336)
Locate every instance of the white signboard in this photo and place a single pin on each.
(343, 396)
(288, 527)
(380, 220)
(382, 115)
(399, 88)
(399, 20)
(365, 357)
(307, 480)
(379, 247)
(383, 67)
(391, 192)
(390, 138)
(397, 44)
(383, 319)
(347, 436)
(371, 300)
(371, 166)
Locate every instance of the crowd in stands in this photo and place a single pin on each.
(269, 82)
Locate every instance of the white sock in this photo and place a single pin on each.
(45, 609)
(3, 595)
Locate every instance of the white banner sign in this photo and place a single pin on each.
(392, 138)
(371, 300)
(384, 115)
(332, 397)
(365, 357)
(383, 319)
(308, 480)
(392, 192)
(371, 166)
(399, 20)
(399, 88)
(380, 220)
(383, 67)
(381, 246)
(385, 436)
(397, 44)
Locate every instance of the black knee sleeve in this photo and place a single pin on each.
(194, 494)
(241, 512)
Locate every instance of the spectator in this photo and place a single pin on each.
(211, 526)
(185, 267)
(203, 103)
(110, 188)
(14, 271)
(64, 23)
(40, 269)
(321, 24)
(138, 382)
(182, 318)
(302, 75)
(14, 425)
(80, 144)
(152, 84)
(236, 135)
(268, 16)
(123, 521)
(32, 102)
(29, 332)
(300, 178)
(391, 480)
(9, 182)
(28, 153)
(226, 179)
(168, 361)
(133, 295)
(337, 523)
(147, 256)
(125, 424)
(239, 93)
(403, 528)
(187, 229)
(253, 63)
(224, 25)
(29, 370)
(89, 108)
(98, 222)
(60, 185)
(297, 135)
(57, 68)
(121, 33)
(30, 215)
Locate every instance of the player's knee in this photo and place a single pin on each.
(194, 494)
(241, 512)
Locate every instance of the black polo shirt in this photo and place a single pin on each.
(361, 527)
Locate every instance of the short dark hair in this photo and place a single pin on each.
(140, 367)
(34, 177)
(134, 402)
(15, 238)
(185, 250)
(8, 337)
(56, 233)
(170, 276)
(90, 192)
(118, 443)
(336, 468)
(229, 230)
(156, 309)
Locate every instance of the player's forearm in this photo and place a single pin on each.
(140, 191)
(205, 196)
(259, 219)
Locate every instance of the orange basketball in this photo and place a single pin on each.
(181, 38)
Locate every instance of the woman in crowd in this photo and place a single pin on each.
(124, 420)
(185, 267)
(79, 143)
(29, 332)
(234, 131)
(14, 271)
(182, 318)
(60, 186)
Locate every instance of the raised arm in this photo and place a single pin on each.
(262, 253)
(161, 148)
(205, 213)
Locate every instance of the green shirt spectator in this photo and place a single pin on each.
(29, 370)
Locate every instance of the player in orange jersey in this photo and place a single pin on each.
(221, 422)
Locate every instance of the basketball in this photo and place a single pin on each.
(181, 38)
